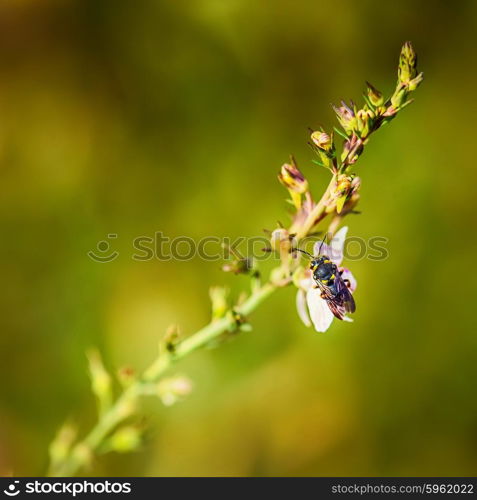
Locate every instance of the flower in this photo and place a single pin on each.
(312, 309)
(173, 389)
(407, 69)
(322, 140)
(375, 97)
(292, 178)
(340, 193)
(352, 148)
(346, 116)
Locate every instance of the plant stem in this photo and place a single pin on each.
(82, 452)
(317, 214)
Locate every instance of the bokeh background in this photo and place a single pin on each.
(174, 116)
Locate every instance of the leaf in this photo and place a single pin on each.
(341, 133)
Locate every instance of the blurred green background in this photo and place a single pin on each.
(175, 116)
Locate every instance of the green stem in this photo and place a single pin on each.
(124, 406)
(316, 215)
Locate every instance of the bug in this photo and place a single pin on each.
(334, 289)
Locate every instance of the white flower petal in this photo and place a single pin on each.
(302, 308)
(335, 250)
(306, 283)
(321, 248)
(347, 275)
(320, 313)
(337, 246)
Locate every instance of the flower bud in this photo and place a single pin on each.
(415, 82)
(126, 376)
(352, 148)
(83, 454)
(218, 297)
(280, 240)
(346, 117)
(355, 185)
(322, 140)
(61, 444)
(390, 112)
(171, 338)
(364, 118)
(124, 440)
(101, 383)
(375, 97)
(407, 69)
(341, 191)
(173, 389)
(238, 266)
(292, 178)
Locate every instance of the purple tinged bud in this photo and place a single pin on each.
(346, 117)
(292, 178)
(352, 148)
(355, 185)
(322, 140)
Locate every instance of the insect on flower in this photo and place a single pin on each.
(327, 293)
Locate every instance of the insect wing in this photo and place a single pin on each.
(343, 295)
(337, 309)
(333, 302)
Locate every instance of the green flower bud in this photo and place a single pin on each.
(62, 443)
(407, 69)
(415, 82)
(365, 120)
(219, 298)
(125, 440)
(101, 383)
(374, 96)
